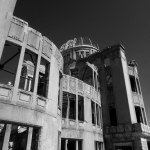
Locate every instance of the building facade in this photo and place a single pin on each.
(77, 97)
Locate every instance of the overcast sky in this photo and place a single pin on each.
(105, 21)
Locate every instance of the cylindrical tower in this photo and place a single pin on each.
(30, 90)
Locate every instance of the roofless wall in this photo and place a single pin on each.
(30, 89)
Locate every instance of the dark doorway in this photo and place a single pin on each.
(123, 148)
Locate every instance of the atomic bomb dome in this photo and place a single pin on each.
(78, 42)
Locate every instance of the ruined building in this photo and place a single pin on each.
(77, 97)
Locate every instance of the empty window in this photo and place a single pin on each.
(138, 86)
(28, 71)
(98, 114)
(113, 117)
(145, 121)
(72, 106)
(69, 105)
(80, 108)
(138, 114)
(59, 91)
(35, 139)
(18, 137)
(98, 145)
(109, 82)
(2, 134)
(71, 144)
(43, 81)
(77, 56)
(93, 112)
(65, 105)
(133, 83)
(9, 64)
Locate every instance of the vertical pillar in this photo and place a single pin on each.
(30, 131)
(36, 78)
(76, 102)
(6, 12)
(7, 136)
(76, 144)
(66, 143)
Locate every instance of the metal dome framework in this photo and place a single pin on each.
(77, 42)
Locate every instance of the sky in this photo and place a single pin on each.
(107, 22)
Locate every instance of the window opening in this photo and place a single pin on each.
(133, 83)
(2, 134)
(81, 54)
(35, 139)
(138, 86)
(65, 105)
(87, 53)
(77, 55)
(63, 143)
(72, 106)
(80, 108)
(138, 114)
(9, 64)
(18, 137)
(95, 80)
(59, 90)
(109, 82)
(43, 81)
(28, 71)
(144, 116)
(93, 113)
(98, 145)
(71, 144)
(101, 120)
(113, 117)
(148, 144)
(98, 114)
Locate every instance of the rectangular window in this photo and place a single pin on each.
(59, 91)
(9, 64)
(71, 144)
(98, 145)
(65, 104)
(93, 113)
(2, 134)
(18, 137)
(133, 83)
(113, 117)
(43, 81)
(80, 108)
(69, 106)
(138, 86)
(72, 106)
(28, 71)
(138, 114)
(77, 56)
(35, 139)
(98, 114)
(144, 116)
